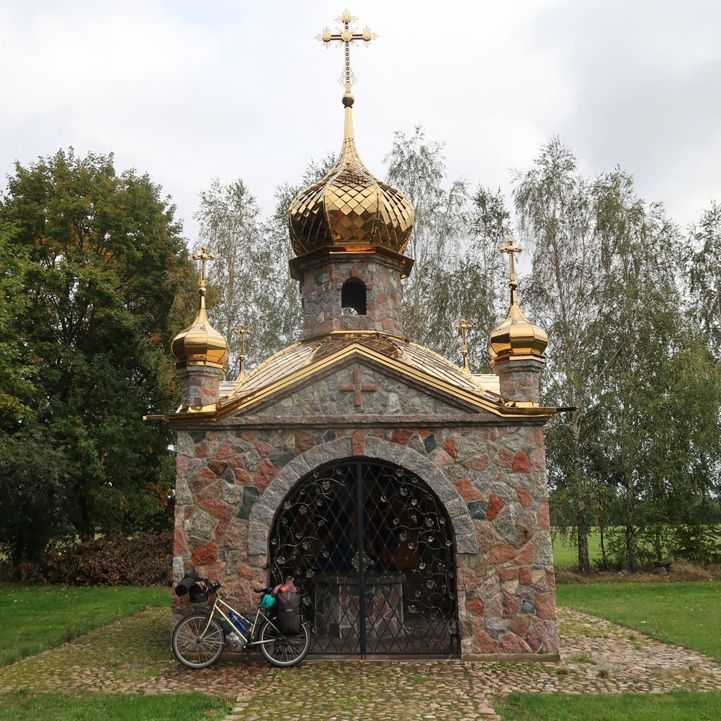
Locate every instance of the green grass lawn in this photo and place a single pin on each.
(37, 617)
(687, 613)
(28, 706)
(676, 706)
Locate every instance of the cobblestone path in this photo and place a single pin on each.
(132, 656)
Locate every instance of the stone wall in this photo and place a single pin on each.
(321, 285)
(358, 388)
(227, 490)
(200, 385)
(519, 378)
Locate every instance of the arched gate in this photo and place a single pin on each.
(371, 550)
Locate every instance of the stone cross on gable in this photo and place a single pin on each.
(357, 387)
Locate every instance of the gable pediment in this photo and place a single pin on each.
(357, 386)
(357, 379)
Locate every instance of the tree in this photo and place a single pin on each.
(31, 492)
(244, 262)
(454, 242)
(17, 365)
(643, 305)
(704, 275)
(606, 284)
(249, 278)
(662, 388)
(555, 212)
(105, 260)
(482, 287)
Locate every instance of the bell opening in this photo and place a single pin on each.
(353, 298)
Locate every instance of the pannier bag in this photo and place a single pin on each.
(195, 587)
(186, 583)
(288, 610)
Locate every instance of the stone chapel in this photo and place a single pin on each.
(404, 494)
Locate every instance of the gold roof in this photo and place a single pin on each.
(516, 337)
(305, 354)
(301, 362)
(200, 344)
(349, 207)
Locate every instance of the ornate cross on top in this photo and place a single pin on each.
(463, 326)
(204, 256)
(346, 36)
(243, 330)
(511, 249)
(357, 387)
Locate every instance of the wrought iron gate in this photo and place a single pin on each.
(371, 550)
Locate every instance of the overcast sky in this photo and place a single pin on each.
(188, 91)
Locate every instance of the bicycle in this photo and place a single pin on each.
(200, 638)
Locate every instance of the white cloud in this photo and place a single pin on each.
(187, 91)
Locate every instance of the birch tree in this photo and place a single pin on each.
(454, 244)
(555, 217)
(248, 279)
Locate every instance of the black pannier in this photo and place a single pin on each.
(288, 610)
(195, 587)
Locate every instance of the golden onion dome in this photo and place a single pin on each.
(200, 344)
(349, 207)
(516, 337)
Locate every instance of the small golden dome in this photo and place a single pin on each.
(200, 344)
(349, 207)
(516, 337)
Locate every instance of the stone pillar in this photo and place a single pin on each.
(519, 378)
(322, 276)
(200, 385)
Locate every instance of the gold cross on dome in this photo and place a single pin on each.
(463, 326)
(511, 249)
(346, 36)
(204, 256)
(357, 387)
(243, 330)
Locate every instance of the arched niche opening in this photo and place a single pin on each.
(371, 549)
(353, 297)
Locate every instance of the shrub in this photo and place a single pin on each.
(696, 543)
(144, 560)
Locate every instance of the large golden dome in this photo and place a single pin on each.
(349, 207)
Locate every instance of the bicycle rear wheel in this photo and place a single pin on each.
(197, 643)
(283, 650)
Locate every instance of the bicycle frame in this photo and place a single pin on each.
(218, 607)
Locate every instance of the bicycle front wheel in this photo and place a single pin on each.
(197, 643)
(283, 650)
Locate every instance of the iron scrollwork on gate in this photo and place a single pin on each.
(371, 549)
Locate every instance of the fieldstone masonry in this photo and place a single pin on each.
(200, 385)
(233, 475)
(322, 278)
(519, 379)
